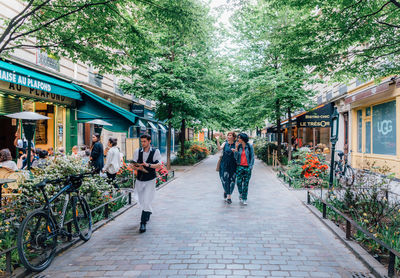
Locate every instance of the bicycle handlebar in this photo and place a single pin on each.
(59, 180)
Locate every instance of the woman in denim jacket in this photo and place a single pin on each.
(244, 155)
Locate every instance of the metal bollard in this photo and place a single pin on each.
(129, 198)
(348, 229)
(69, 230)
(8, 262)
(106, 211)
(323, 210)
(308, 198)
(392, 262)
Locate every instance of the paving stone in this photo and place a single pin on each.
(193, 233)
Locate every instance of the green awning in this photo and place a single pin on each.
(32, 79)
(96, 107)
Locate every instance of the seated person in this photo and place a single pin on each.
(6, 160)
(42, 162)
(24, 158)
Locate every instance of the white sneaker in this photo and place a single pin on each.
(244, 202)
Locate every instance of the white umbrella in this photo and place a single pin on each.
(99, 122)
(27, 115)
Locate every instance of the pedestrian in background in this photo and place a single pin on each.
(113, 161)
(42, 162)
(97, 154)
(75, 151)
(244, 155)
(147, 159)
(227, 168)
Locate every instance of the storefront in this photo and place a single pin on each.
(94, 107)
(147, 123)
(375, 126)
(22, 89)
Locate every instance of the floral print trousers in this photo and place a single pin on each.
(243, 175)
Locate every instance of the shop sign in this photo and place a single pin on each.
(138, 110)
(149, 114)
(318, 117)
(17, 89)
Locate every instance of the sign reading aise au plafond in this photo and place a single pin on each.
(24, 81)
(319, 117)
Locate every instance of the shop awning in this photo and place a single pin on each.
(153, 127)
(32, 79)
(141, 124)
(96, 107)
(162, 127)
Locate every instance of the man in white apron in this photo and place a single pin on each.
(148, 159)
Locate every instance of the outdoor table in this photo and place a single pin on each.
(2, 182)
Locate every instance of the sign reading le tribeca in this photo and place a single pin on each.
(24, 81)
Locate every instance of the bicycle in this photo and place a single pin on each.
(37, 235)
(344, 173)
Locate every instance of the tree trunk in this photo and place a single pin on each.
(183, 137)
(278, 126)
(212, 134)
(290, 131)
(169, 137)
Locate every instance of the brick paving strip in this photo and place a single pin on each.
(193, 233)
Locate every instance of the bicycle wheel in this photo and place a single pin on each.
(349, 175)
(37, 241)
(82, 218)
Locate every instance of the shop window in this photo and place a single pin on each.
(359, 131)
(368, 111)
(384, 128)
(368, 137)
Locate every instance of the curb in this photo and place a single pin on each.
(377, 269)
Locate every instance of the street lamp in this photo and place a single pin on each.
(29, 120)
(98, 125)
(334, 139)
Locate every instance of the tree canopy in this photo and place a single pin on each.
(344, 39)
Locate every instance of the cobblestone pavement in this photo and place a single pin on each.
(193, 233)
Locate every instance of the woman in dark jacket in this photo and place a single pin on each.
(97, 154)
(244, 155)
(227, 169)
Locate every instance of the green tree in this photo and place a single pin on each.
(172, 71)
(344, 39)
(100, 32)
(271, 85)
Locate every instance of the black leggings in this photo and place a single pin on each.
(112, 178)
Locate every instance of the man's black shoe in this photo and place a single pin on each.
(229, 201)
(142, 228)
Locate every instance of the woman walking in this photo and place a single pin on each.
(227, 169)
(113, 161)
(97, 154)
(244, 155)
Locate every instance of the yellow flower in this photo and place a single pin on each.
(364, 214)
(7, 223)
(1, 241)
(6, 230)
(366, 221)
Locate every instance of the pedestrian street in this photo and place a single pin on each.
(193, 233)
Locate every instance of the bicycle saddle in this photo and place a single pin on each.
(340, 153)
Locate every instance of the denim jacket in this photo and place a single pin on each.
(249, 155)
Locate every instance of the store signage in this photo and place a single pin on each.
(149, 114)
(318, 117)
(138, 110)
(17, 89)
(47, 60)
(24, 81)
